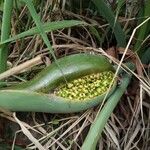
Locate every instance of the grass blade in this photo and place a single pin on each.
(107, 13)
(44, 36)
(47, 27)
(5, 32)
(38, 23)
(144, 30)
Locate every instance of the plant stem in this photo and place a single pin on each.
(5, 32)
(99, 123)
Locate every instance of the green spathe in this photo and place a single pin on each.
(72, 67)
(31, 96)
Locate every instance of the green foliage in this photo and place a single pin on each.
(6, 28)
(95, 32)
(47, 27)
(5, 32)
(143, 31)
(1, 5)
(108, 14)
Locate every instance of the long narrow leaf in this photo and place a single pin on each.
(107, 13)
(47, 27)
(38, 23)
(144, 30)
(5, 32)
(44, 36)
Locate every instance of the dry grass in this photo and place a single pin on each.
(128, 126)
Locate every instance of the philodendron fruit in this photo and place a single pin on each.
(86, 87)
(72, 84)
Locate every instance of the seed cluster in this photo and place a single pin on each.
(86, 87)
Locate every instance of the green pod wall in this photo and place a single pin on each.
(66, 69)
(31, 96)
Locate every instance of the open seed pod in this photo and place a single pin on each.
(42, 94)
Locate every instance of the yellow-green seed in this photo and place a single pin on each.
(70, 85)
(86, 87)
